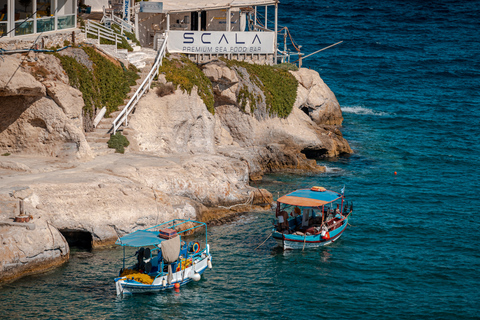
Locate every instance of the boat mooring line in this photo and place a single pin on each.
(263, 241)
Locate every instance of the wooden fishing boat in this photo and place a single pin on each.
(163, 260)
(309, 218)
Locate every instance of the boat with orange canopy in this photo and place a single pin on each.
(309, 218)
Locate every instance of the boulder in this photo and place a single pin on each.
(316, 99)
(16, 82)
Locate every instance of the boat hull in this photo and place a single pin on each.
(126, 286)
(292, 241)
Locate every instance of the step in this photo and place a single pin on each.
(95, 135)
(105, 125)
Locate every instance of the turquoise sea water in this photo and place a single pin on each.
(407, 78)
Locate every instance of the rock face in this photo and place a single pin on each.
(316, 99)
(180, 123)
(40, 117)
(25, 251)
(176, 123)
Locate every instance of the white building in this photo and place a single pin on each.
(27, 17)
(207, 27)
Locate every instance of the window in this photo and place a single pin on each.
(3, 17)
(23, 17)
(45, 15)
(66, 14)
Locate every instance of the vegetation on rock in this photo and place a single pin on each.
(244, 96)
(107, 85)
(186, 74)
(278, 85)
(118, 142)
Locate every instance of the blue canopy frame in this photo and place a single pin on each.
(149, 236)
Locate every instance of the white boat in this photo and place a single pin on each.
(163, 260)
(309, 218)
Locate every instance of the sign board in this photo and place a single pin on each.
(219, 42)
(151, 7)
(126, 4)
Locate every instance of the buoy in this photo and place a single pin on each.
(209, 263)
(164, 282)
(395, 172)
(176, 285)
(196, 276)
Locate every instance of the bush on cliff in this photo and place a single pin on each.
(118, 142)
(278, 85)
(184, 73)
(107, 85)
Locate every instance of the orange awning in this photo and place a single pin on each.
(302, 202)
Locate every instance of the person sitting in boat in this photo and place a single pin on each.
(297, 212)
(282, 217)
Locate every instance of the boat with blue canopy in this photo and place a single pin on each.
(161, 259)
(309, 218)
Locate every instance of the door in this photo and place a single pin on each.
(194, 21)
(203, 16)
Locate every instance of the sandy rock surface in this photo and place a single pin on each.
(40, 117)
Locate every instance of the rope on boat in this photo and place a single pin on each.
(304, 240)
(263, 242)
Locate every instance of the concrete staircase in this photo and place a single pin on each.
(98, 138)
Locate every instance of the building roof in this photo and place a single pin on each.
(200, 5)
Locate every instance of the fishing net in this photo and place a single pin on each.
(135, 275)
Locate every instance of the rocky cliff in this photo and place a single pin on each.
(184, 161)
(40, 113)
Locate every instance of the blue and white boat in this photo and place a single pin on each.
(309, 218)
(161, 259)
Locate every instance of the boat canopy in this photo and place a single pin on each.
(149, 237)
(140, 238)
(309, 198)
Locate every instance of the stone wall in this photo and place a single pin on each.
(45, 41)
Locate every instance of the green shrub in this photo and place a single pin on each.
(278, 85)
(6, 154)
(186, 74)
(108, 84)
(286, 66)
(118, 142)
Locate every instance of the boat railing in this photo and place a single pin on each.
(122, 118)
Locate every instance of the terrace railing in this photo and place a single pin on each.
(101, 32)
(122, 118)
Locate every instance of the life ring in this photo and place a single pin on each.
(321, 189)
(196, 247)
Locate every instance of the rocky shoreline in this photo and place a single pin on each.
(182, 162)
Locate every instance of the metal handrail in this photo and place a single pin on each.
(95, 25)
(145, 86)
(123, 23)
(100, 31)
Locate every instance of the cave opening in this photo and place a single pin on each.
(315, 153)
(78, 239)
